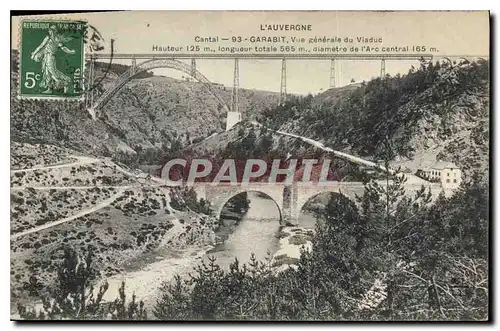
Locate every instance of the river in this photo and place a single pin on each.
(255, 233)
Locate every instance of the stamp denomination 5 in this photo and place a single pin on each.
(52, 59)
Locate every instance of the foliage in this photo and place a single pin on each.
(184, 198)
(119, 69)
(239, 203)
(389, 256)
(149, 156)
(389, 107)
(73, 297)
(416, 251)
(385, 256)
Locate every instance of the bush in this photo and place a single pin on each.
(414, 249)
(73, 295)
(185, 199)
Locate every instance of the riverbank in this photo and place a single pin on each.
(258, 232)
(178, 253)
(145, 283)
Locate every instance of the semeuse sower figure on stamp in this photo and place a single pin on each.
(52, 78)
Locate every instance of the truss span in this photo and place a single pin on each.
(155, 64)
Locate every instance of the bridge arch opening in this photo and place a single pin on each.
(326, 206)
(240, 204)
(252, 231)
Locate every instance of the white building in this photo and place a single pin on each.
(447, 173)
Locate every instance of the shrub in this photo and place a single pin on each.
(73, 296)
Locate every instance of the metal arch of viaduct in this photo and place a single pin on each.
(154, 64)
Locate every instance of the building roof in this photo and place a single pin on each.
(444, 165)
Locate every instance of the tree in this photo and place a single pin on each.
(240, 203)
(185, 198)
(73, 296)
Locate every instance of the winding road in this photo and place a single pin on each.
(411, 179)
(95, 208)
(80, 161)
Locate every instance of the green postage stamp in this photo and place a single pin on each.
(52, 59)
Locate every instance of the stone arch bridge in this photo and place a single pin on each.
(290, 199)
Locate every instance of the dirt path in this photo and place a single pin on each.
(80, 160)
(158, 180)
(95, 208)
(343, 155)
(412, 179)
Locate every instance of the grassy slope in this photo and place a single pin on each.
(126, 220)
(147, 112)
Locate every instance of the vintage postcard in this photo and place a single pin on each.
(225, 165)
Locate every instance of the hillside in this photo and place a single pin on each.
(160, 109)
(436, 112)
(249, 140)
(150, 112)
(334, 95)
(60, 199)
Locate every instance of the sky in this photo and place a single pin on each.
(451, 33)
(303, 76)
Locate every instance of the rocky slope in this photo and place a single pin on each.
(437, 112)
(149, 112)
(250, 140)
(88, 203)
